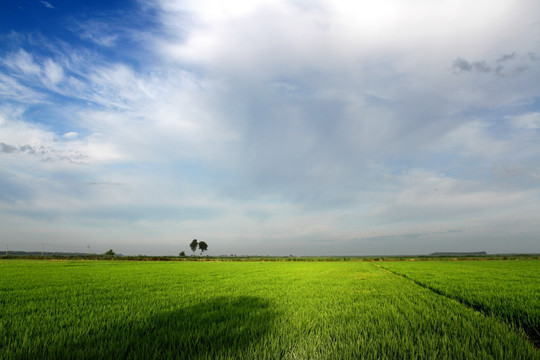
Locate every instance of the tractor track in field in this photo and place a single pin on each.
(533, 335)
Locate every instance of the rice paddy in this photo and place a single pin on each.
(507, 290)
(267, 310)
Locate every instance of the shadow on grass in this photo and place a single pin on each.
(221, 327)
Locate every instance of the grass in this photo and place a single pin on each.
(238, 310)
(507, 290)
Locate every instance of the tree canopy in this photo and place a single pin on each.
(193, 245)
(203, 246)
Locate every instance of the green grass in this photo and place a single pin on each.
(507, 290)
(237, 310)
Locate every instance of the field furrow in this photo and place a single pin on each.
(506, 290)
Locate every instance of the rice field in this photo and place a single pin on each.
(263, 310)
(507, 290)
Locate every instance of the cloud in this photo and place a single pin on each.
(22, 62)
(526, 121)
(27, 141)
(275, 126)
(34, 76)
(47, 4)
(53, 72)
(506, 65)
(461, 65)
(506, 57)
(101, 32)
(123, 31)
(70, 135)
(46, 153)
(8, 149)
(425, 195)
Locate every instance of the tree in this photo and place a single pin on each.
(182, 254)
(203, 246)
(110, 252)
(194, 245)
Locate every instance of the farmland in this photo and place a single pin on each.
(268, 310)
(507, 290)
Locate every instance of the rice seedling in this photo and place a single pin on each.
(237, 310)
(507, 290)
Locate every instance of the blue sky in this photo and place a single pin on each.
(270, 127)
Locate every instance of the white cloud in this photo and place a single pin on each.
(24, 62)
(40, 147)
(282, 122)
(70, 135)
(19, 132)
(53, 72)
(327, 35)
(99, 32)
(473, 139)
(31, 78)
(424, 197)
(47, 4)
(526, 121)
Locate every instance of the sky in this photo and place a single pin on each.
(270, 127)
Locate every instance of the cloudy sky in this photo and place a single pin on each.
(270, 127)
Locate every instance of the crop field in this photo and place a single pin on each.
(507, 290)
(269, 310)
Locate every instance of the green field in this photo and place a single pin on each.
(507, 290)
(268, 310)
